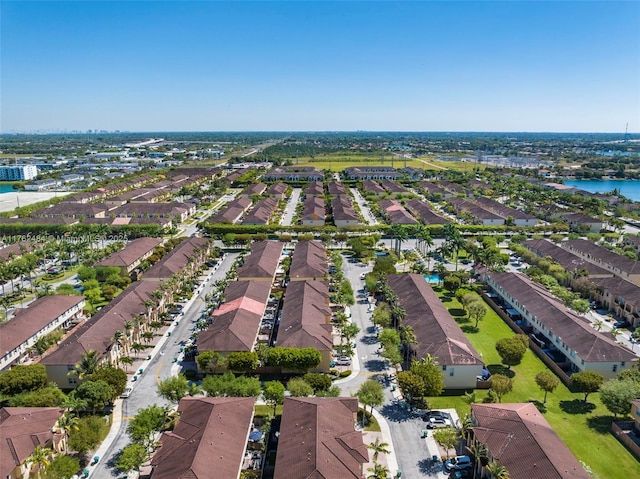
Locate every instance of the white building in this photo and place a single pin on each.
(18, 172)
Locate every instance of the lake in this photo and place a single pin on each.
(4, 188)
(628, 188)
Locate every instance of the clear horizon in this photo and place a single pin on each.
(415, 67)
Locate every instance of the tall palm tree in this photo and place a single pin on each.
(378, 447)
(480, 454)
(119, 340)
(407, 338)
(87, 365)
(126, 360)
(40, 458)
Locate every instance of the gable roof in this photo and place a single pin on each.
(568, 260)
(237, 321)
(21, 430)
(305, 316)
(96, 333)
(521, 439)
(309, 260)
(575, 331)
(435, 330)
(176, 259)
(262, 262)
(28, 321)
(318, 440)
(131, 253)
(211, 435)
(602, 256)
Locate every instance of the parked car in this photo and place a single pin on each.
(343, 361)
(458, 463)
(363, 275)
(435, 422)
(621, 324)
(126, 393)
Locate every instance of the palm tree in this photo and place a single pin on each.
(407, 337)
(119, 340)
(480, 454)
(378, 472)
(126, 360)
(68, 423)
(87, 365)
(498, 470)
(40, 457)
(137, 347)
(399, 233)
(72, 404)
(598, 324)
(378, 447)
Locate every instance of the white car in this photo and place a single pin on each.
(126, 393)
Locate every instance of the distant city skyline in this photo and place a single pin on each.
(320, 66)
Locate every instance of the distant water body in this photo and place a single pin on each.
(628, 188)
(6, 189)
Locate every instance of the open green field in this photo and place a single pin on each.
(585, 428)
(339, 161)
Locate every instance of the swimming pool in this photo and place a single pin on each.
(432, 278)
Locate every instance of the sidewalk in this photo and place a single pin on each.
(116, 416)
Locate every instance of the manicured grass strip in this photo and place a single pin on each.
(584, 428)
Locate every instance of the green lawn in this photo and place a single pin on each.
(583, 427)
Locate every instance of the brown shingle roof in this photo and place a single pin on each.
(318, 440)
(521, 439)
(436, 332)
(262, 262)
(28, 321)
(208, 440)
(236, 322)
(565, 258)
(601, 255)
(97, 333)
(262, 212)
(309, 260)
(423, 211)
(305, 316)
(396, 213)
(574, 331)
(176, 259)
(131, 253)
(21, 430)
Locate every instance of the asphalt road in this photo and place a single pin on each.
(160, 367)
(405, 426)
(290, 210)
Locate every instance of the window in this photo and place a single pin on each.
(444, 368)
(73, 381)
(615, 368)
(451, 372)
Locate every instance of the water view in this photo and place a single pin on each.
(628, 188)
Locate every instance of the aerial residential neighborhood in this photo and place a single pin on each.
(289, 321)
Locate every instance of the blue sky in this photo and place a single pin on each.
(301, 66)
